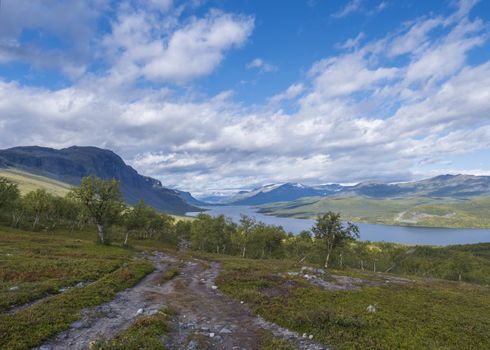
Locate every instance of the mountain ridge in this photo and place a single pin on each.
(447, 185)
(71, 164)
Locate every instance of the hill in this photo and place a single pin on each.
(443, 186)
(30, 182)
(70, 165)
(415, 211)
(281, 192)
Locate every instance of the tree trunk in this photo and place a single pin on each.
(244, 250)
(126, 238)
(100, 231)
(459, 277)
(326, 260)
(36, 222)
(362, 265)
(341, 261)
(374, 267)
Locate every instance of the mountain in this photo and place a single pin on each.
(450, 186)
(279, 193)
(71, 164)
(187, 196)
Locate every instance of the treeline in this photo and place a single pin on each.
(96, 202)
(330, 243)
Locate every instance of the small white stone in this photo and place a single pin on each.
(13, 288)
(241, 302)
(211, 335)
(310, 337)
(371, 309)
(214, 287)
(304, 335)
(139, 312)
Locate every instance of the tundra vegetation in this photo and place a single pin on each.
(48, 251)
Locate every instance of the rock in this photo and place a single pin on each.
(13, 288)
(371, 309)
(211, 335)
(225, 331)
(241, 302)
(310, 337)
(214, 287)
(64, 289)
(152, 312)
(45, 347)
(139, 312)
(304, 335)
(313, 270)
(78, 324)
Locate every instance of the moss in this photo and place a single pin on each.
(34, 265)
(144, 334)
(34, 325)
(428, 314)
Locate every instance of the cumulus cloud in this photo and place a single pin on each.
(373, 111)
(146, 45)
(71, 25)
(261, 66)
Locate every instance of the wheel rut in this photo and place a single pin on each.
(205, 318)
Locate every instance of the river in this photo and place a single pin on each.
(370, 232)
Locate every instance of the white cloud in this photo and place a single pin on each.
(352, 6)
(261, 65)
(73, 23)
(292, 91)
(142, 49)
(374, 112)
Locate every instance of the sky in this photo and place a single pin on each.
(224, 94)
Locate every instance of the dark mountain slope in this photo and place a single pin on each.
(72, 164)
(278, 193)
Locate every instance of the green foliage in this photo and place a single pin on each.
(332, 232)
(9, 193)
(38, 204)
(102, 201)
(145, 222)
(212, 234)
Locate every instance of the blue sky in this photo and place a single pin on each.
(219, 95)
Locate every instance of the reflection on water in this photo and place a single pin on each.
(371, 232)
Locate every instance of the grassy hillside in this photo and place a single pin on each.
(409, 314)
(29, 182)
(71, 268)
(419, 211)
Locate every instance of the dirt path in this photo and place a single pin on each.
(205, 317)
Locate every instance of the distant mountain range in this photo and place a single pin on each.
(71, 164)
(444, 186)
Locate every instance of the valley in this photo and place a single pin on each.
(419, 211)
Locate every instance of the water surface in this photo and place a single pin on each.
(371, 232)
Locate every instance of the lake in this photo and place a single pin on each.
(371, 232)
